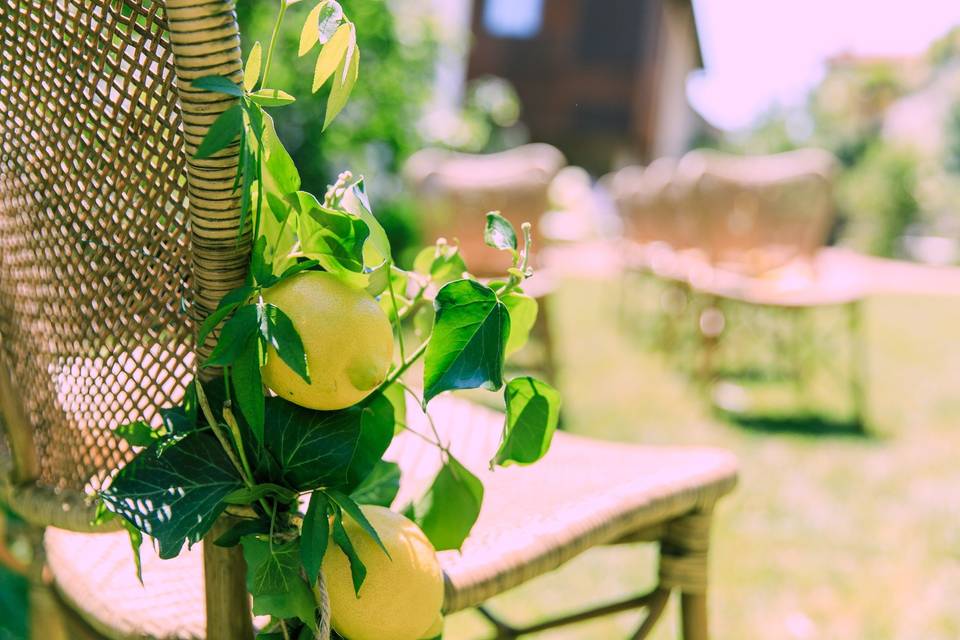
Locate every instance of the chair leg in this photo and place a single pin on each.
(683, 566)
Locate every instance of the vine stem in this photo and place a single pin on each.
(396, 313)
(273, 41)
(399, 371)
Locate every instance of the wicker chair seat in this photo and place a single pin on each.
(582, 494)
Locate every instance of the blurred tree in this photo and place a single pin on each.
(877, 198)
(377, 131)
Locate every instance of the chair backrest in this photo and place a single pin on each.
(751, 213)
(456, 190)
(113, 241)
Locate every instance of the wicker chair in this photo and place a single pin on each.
(114, 243)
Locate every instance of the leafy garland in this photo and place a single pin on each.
(231, 448)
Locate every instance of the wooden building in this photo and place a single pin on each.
(603, 80)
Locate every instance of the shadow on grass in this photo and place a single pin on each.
(807, 424)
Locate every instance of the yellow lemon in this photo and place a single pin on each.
(346, 336)
(435, 629)
(401, 596)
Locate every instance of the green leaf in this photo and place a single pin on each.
(380, 487)
(251, 72)
(249, 495)
(232, 536)
(233, 337)
(248, 386)
(136, 540)
(260, 266)
(334, 449)
(283, 337)
(533, 410)
(442, 263)
(499, 233)
(357, 569)
(356, 202)
(334, 238)
(523, 315)
(274, 580)
(328, 20)
(448, 511)
(271, 98)
(175, 497)
(344, 79)
(310, 33)
(352, 509)
(314, 535)
(280, 166)
(182, 419)
(211, 321)
(138, 433)
(330, 56)
(469, 340)
(218, 84)
(221, 133)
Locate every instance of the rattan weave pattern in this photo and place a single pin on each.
(94, 246)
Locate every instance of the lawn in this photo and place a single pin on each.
(830, 535)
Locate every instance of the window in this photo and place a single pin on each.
(513, 18)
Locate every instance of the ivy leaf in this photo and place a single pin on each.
(523, 315)
(231, 537)
(251, 72)
(314, 535)
(499, 233)
(218, 84)
(344, 79)
(330, 56)
(353, 510)
(283, 337)
(175, 497)
(271, 98)
(137, 434)
(357, 569)
(248, 386)
(280, 166)
(450, 508)
(355, 201)
(274, 580)
(182, 419)
(227, 304)
(221, 133)
(234, 336)
(380, 487)
(469, 340)
(249, 495)
(334, 449)
(332, 237)
(442, 263)
(533, 410)
(136, 540)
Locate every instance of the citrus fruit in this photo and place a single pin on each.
(347, 339)
(402, 594)
(435, 629)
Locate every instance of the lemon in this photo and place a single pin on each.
(346, 336)
(402, 595)
(435, 629)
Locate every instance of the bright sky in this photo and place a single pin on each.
(761, 52)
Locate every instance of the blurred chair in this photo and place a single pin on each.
(456, 190)
(115, 242)
(721, 229)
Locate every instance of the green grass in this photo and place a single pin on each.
(828, 535)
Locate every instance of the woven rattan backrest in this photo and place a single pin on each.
(102, 261)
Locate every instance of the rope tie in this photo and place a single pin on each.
(683, 553)
(323, 612)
